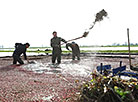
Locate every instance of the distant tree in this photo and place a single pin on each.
(1, 46)
(136, 44)
(114, 44)
(131, 44)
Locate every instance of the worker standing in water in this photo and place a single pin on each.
(75, 50)
(56, 45)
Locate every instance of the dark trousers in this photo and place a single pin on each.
(16, 59)
(56, 56)
(75, 55)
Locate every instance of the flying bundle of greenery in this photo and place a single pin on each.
(99, 17)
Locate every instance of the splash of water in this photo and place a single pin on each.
(67, 67)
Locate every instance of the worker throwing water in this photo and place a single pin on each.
(75, 50)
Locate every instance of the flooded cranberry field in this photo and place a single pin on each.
(38, 82)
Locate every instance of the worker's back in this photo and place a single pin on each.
(75, 48)
(19, 49)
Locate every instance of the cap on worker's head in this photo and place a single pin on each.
(73, 42)
(27, 44)
(54, 32)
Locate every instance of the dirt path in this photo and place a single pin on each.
(25, 84)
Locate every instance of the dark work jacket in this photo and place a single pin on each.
(75, 48)
(56, 44)
(20, 49)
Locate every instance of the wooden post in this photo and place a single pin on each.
(120, 63)
(129, 48)
(101, 67)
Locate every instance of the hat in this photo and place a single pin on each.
(54, 32)
(27, 44)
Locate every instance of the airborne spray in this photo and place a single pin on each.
(99, 17)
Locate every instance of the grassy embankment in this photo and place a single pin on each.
(41, 50)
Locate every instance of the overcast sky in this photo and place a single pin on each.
(34, 21)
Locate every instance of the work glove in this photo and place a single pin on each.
(66, 42)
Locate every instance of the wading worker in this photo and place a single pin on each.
(75, 50)
(20, 49)
(56, 45)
